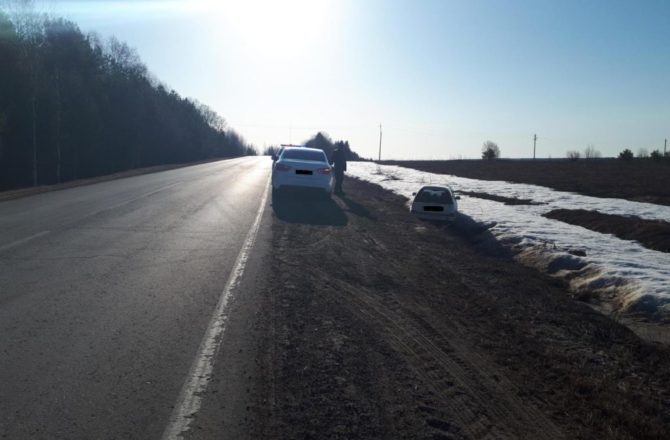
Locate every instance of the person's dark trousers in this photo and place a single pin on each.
(339, 177)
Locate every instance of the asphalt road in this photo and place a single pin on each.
(106, 292)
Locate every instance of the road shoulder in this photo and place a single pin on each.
(359, 321)
(235, 403)
(388, 327)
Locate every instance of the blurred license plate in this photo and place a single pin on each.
(305, 172)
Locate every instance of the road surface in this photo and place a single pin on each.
(106, 294)
(343, 318)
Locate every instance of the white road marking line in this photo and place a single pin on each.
(23, 240)
(190, 397)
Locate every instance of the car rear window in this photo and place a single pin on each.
(316, 156)
(434, 196)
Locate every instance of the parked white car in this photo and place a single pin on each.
(304, 168)
(435, 203)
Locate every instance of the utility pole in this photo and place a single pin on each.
(380, 142)
(534, 144)
(665, 148)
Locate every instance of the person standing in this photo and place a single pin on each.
(340, 164)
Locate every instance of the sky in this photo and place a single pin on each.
(441, 77)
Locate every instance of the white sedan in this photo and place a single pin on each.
(435, 203)
(304, 168)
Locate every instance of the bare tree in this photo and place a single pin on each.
(591, 153)
(573, 155)
(656, 155)
(626, 155)
(211, 117)
(3, 128)
(642, 153)
(490, 150)
(29, 25)
(126, 58)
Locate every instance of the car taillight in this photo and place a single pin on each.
(324, 171)
(282, 167)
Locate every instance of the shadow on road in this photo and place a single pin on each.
(307, 208)
(356, 208)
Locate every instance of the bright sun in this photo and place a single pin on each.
(275, 28)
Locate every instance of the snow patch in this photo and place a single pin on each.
(627, 275)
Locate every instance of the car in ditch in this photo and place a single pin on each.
(438, 203)
(303, 168)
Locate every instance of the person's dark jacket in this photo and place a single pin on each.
(339, 160)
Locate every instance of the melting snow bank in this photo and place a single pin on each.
(623, 274)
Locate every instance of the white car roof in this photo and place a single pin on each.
(434, 187)
(302, 148)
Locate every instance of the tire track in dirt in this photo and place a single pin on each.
(461, 379)
(382, 403)
(465, 400)
(397, 329)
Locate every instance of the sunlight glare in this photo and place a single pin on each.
(277, 28)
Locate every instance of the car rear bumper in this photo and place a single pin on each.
(324, 183)
(436, 216)
(433, 216)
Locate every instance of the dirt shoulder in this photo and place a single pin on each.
(638, 180)
(382, 326)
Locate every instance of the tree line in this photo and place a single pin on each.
(74, 106)
(323, 142)
(490, 150)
